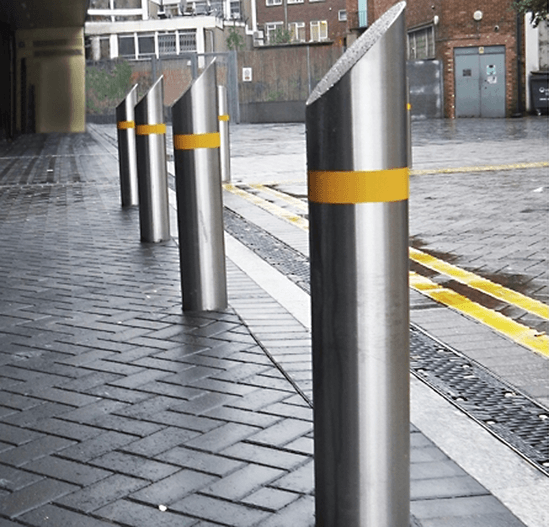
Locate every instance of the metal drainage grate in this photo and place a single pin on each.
(508, 414)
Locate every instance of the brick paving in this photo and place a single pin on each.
(118, 409)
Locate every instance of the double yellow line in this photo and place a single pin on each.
(528, 337)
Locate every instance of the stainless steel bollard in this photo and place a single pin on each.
(199, 200)
(357, 130)
(151, 165)
(224, 148)
(127, 154)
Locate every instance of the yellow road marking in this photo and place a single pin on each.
(528, 337)
(482, 168)
(294, 219)
(296, 202)
(481, 284)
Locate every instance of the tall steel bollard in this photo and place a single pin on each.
(151, 165)
(199, 200)
(224, 148)
(357, 130)
(127, 154)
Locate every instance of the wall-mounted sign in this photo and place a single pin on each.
(246, 74)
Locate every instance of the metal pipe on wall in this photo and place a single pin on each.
(199, 198)
(127, 152)
(151, 165)
(224, 148)
(357, 151)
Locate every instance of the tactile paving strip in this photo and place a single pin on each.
(508, 414)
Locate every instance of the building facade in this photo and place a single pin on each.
(480, 44)
(301, 21)
(141, 29)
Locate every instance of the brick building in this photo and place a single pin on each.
(476, 43)
(305, 20)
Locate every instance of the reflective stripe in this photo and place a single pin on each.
(125, 125)
(374, 186)
(192, 141)
(224, 117)
(148, 129)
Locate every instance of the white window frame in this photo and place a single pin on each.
(342, 15)
(295, 1)
(321, 27)
(294, 28)
(271, 3)
(272, 27)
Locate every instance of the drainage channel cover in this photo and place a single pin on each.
(508, 414)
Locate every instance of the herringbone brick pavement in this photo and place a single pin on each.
(112, 401)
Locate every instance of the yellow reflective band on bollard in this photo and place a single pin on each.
(224, 117)
(375, 186)
(193, 141)
(149, 129)
(125, 125)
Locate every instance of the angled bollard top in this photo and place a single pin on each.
(195, 122)
(127, 154)
(125, 111)
(356, 120)
(152, 171)
(149, 111)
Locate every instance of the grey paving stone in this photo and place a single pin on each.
(101, 493)
(13, 479)
(456, 507)
(263, 455)
(33, 496)
(300, 480)
(51, 515)
(216, 465)
(207, 508)
(174, 487)
(15, 435)
(138, 515)
(40, 447)
(283, 432)
(297, 514)
(494, 520)
(241, 483)
(65, 470)
(97, 446)
(160, 441)
(137, 466)
(222, 437)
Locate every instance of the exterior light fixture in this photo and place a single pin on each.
(477, 15)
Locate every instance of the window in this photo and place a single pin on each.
(342, 15)
(126, 46)
(273, 2)
(319, 30)
(271, 28)
(187, 40)
(295, 1)
(297, 31)
(421, 43)
(166, 44)
(236, 9)
(146, 45)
